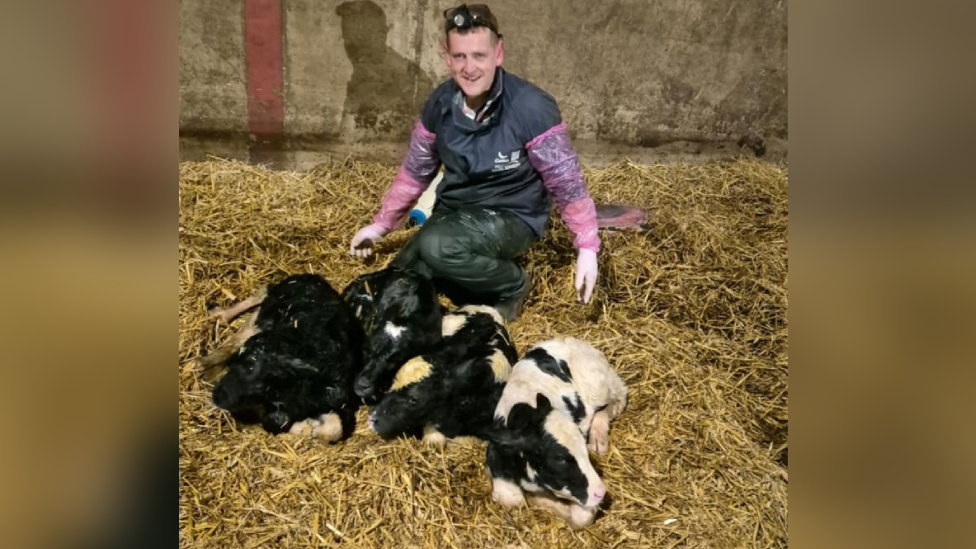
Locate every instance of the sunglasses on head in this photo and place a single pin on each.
(465, 17)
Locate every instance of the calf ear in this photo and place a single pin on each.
(466, 369)
(542, 407)
(498, 433)
(299, 365)
(525, 420)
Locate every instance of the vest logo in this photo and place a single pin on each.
(506, 162)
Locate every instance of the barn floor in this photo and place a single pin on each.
(691, 312)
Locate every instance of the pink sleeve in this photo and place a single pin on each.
(418, 169)
(552, 155)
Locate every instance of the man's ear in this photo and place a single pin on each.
(446, 52)
(499, 52)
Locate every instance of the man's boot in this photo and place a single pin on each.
(511, 307)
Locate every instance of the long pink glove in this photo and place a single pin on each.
(552, 155)
(418, 169)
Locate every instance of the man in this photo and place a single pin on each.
(505, 153)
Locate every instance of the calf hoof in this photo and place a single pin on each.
(433, 437)
(329, 428)
(599, 441)
(364, 390)
(303, 428)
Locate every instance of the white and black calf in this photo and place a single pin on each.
(401, 317)
(452, 391)
(557, 404)
(293, 364)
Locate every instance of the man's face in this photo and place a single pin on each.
(472, 59)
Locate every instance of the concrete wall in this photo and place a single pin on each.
(669, 76)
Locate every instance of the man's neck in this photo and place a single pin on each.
(475, 103)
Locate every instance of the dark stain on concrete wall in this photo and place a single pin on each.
(757, 102)
(386, 91)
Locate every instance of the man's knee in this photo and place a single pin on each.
(442, 248)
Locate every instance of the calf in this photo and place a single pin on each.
(453, 390)
(293, 363)
(401, 317)
(561, 393)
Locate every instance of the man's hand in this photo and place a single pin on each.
(362, 243)
(586, 273)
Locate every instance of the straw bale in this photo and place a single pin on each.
(691, 312)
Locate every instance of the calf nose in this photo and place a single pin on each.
(220, 396)
(596, 496)
(363, 387)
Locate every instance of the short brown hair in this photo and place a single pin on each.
(464, 17)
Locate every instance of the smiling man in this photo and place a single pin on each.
(506, 154)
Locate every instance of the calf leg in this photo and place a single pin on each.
(580, 517)
(221, 354)
(506, 492)
(229, 313)
(577, 517)
(328, 427)
(599, 431)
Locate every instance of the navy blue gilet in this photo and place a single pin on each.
(485, 163)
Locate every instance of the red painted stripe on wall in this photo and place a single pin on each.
(262, 56)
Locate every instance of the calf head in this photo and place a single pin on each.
(412, 392)
(406, 323)
(259, 374)
(362, 294)
(554, 451)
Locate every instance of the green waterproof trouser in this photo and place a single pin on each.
(470, 254)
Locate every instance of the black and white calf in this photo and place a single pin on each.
(401, 316)
(561, 393)
(453, 390)
(293, 363)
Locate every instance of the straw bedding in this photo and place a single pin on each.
(691, 312)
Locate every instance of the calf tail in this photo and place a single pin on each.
(216, 358)
(223, 353)
(230, 313)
